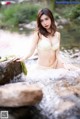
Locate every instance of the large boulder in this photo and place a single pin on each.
(19, 94)
(8, 70)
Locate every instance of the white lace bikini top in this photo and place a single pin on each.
(44, 44)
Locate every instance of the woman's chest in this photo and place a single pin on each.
(48, 43)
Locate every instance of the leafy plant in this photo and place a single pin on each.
(19, 13)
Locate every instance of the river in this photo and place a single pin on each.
(71, 36)
(18, 44)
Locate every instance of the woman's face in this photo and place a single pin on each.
(45, 21)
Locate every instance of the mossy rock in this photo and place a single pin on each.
(24, 69)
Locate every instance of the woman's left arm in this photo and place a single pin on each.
(58, 50)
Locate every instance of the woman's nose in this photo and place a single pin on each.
(45, 22)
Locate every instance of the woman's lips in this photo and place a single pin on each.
(46, 26)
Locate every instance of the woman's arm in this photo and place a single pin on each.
(58, 50)
(58, 58)
(32, 47)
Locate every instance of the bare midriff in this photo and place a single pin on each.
(46, 58)
(47, 48)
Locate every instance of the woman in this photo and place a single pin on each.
(47, 41)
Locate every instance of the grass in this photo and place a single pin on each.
(11, 16)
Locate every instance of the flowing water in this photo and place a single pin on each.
(17, 44)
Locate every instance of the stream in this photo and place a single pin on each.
(18, 44)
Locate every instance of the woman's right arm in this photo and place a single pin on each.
(32, 47)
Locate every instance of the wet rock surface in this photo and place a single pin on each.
(61, 95)
(19, 94)
(8, 70)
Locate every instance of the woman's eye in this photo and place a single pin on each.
(46, 18)
(41, 20)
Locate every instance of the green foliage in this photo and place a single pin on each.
(12, 15)
(75, 13)
(56, 16)
(25, 14)
(6, 58)
(24, 69)
(72, 12)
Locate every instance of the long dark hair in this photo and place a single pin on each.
(40, 28)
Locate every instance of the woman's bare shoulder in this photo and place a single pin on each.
(57, 33)
(37, 34)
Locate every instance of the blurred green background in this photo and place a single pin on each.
(17, 12)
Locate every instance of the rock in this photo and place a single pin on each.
(8, 70)
(60, 27)
(76, 55)
(61, 92)
(62, 21)
(68, 93)
(31, 25)
(19, 94)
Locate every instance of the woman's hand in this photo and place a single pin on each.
(18, 59)
(23, 66)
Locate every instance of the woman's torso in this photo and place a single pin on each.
(47, 50)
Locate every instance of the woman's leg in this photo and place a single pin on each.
(61, 64)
